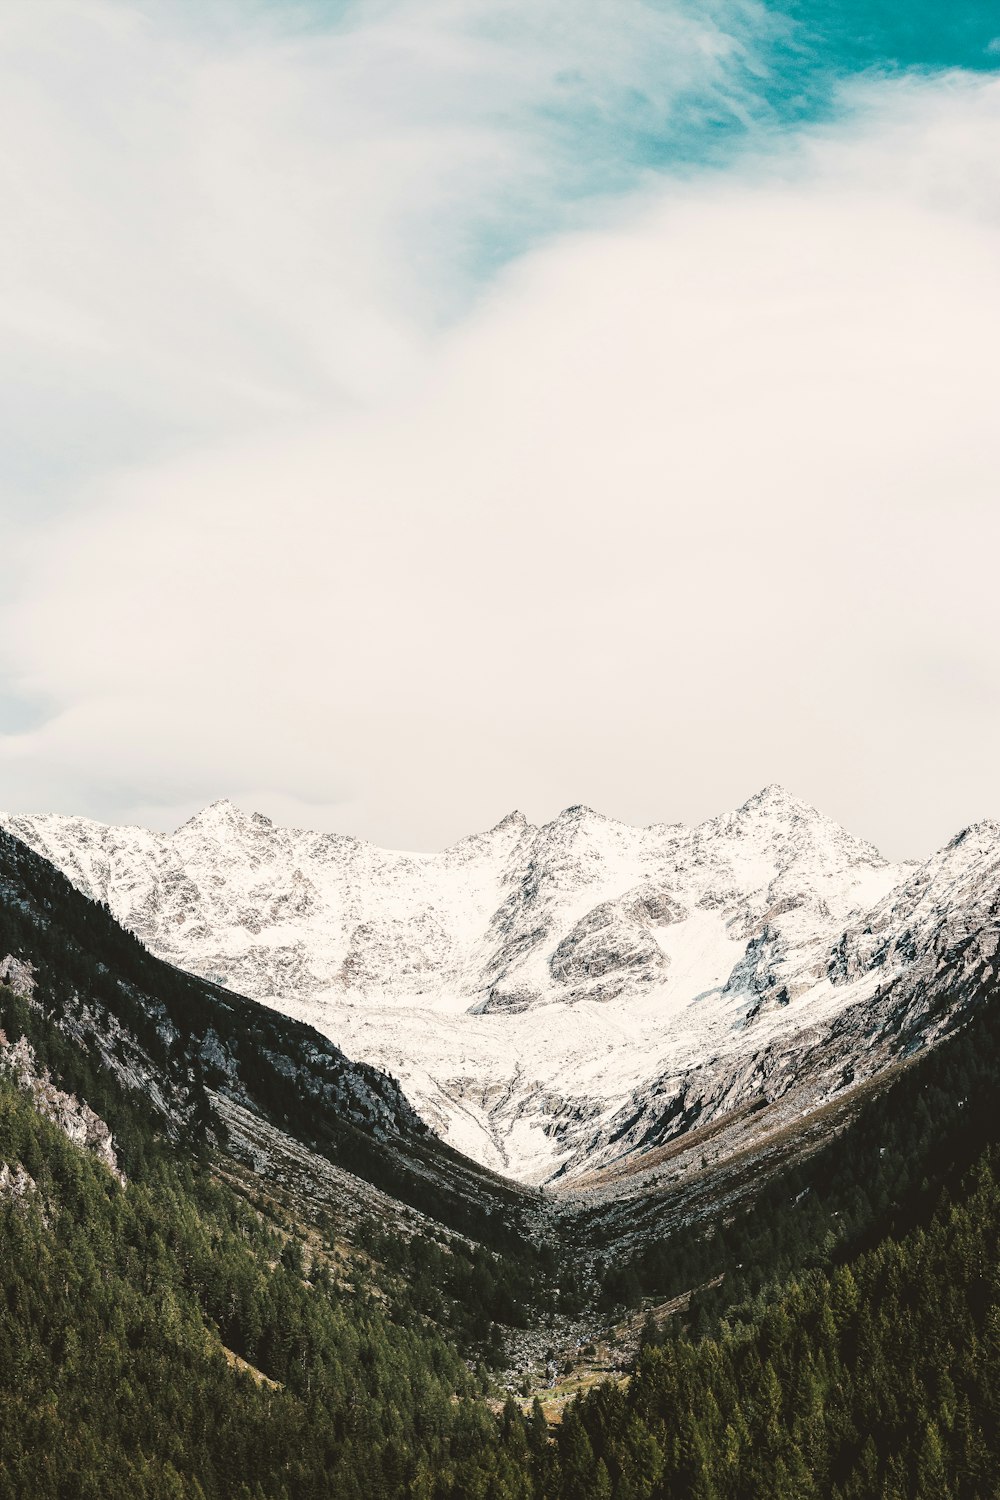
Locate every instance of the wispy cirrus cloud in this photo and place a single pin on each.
(223, 214)
(219, 217)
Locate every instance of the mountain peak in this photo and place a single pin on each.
(515, 819)
(577, 813)
(774, 798)
(986, 831)
(224, 814)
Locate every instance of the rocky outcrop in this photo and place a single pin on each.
(17, 976)
(74, 1118)
(16, 1185)
(607, 953)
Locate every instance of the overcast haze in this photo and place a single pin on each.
(417, 410)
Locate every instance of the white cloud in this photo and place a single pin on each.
(683, 505)
(218, 219)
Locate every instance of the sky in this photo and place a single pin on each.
(419, 409)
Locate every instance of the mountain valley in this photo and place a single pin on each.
(262, 1239)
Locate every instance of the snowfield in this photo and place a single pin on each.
(556, 997)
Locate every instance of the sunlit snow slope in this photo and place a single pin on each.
(554, 997)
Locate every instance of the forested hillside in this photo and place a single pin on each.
(119, 1305)
(878, 1379)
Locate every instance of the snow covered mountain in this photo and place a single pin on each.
(559, 998)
